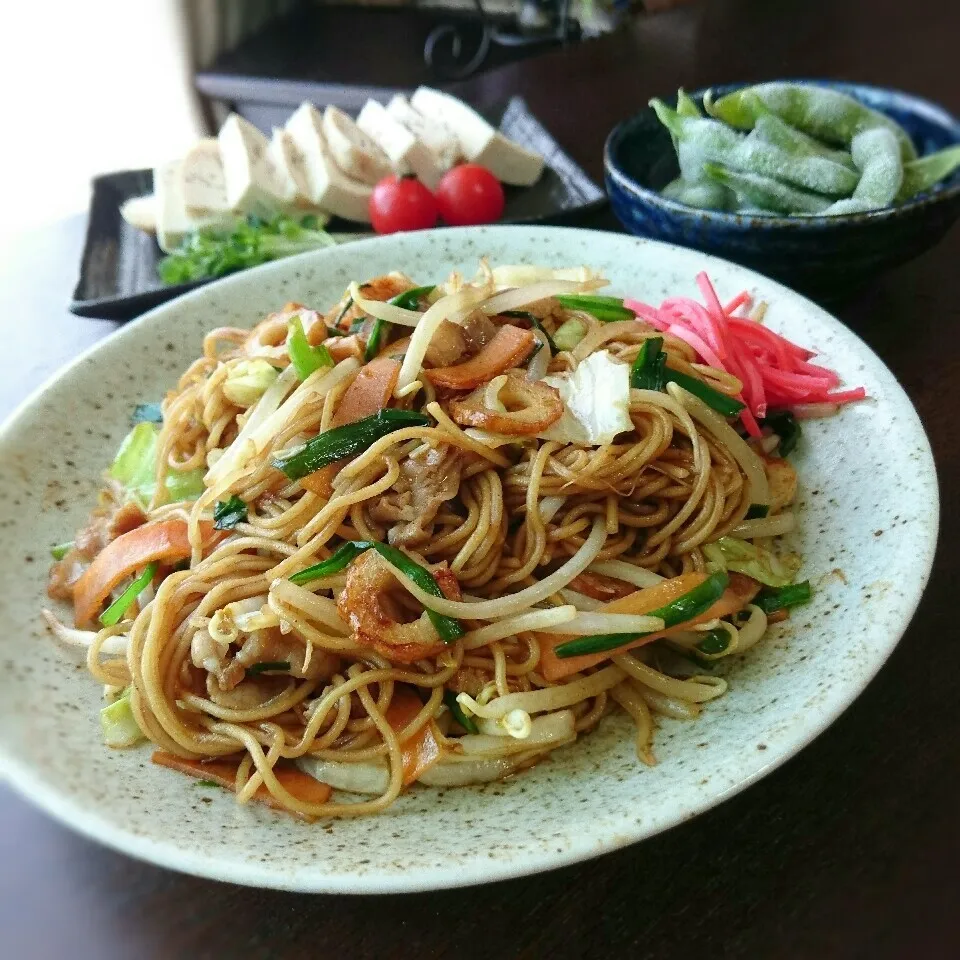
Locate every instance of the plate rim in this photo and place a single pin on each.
(96, 826)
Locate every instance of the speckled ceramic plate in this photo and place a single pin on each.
(868, 509)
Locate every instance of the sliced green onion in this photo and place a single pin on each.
(146, 413)
(468, 723)
(535, 323)
(569, 334)
(650, 372)
(61, 550)
(119, 607)
(268, 665)
(757, 511)
(346, 441)
(228, 513)
(690, 605)
(347, 304)
(305, 359)
(714, 642)
(785, 425)
(648, 369)
(771, 599)
(448, 628)
(605, 309)
(345, 554)
(724, 405)
(119, 725)
(410, 299)
(206, 784)
(373, 341)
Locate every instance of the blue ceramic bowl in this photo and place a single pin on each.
(822, 256)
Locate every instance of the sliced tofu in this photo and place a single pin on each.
(141, 212)
(204, 184)
(481, 144)
(328, 186)
(253, 184)
(357, 154)
(436, 136)
(406, 153)
(173, 222)
(289, 161)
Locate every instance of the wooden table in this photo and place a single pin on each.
(850, 850)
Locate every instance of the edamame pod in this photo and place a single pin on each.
(920, 175)
(766, 193)
(877, 155)
(706, 195)
(826, 114)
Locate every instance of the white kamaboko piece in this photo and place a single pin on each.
(357, 154)
(290, 163)
(204, 183)
(435, 135)
(253, 184)
(406, 153)
(141, 212)
(480, 143)
(173, 221)
(328, 186)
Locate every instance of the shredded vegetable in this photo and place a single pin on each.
(114, 613)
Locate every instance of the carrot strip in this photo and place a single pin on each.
(737, 595)
(223, 772)
(163, 540)
(422, 750)
(369, 392)
(508, 347)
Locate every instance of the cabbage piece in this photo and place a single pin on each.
(520, 275)
(136, 464)
(119, 726)
(741, 556)
(248, 381)
(596, 398)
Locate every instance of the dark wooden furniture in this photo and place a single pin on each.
(849, 851)
(340, 55)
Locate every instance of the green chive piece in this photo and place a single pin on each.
(268, 665)
(786, 426)
(690, 605)
(757, 511)
(448, 628)
(228, 513)
(114, 613)
(771, 599)
(605, 309)
(410, 299)
(61, 550)
(468, 723)
(373, 341)
(346, 441)
(305, 359)
(648, 369)
(714, 642)
(727, 406)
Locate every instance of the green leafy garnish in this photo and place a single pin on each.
(206, 784)
(212, 253)
(114, 613)
(410, 299)
(146, 413)
(305, 359)
(345, 441)
(228, 513)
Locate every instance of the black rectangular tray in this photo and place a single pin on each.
(118, 273)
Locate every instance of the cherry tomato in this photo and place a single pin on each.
(468, 195)
(402, 203)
